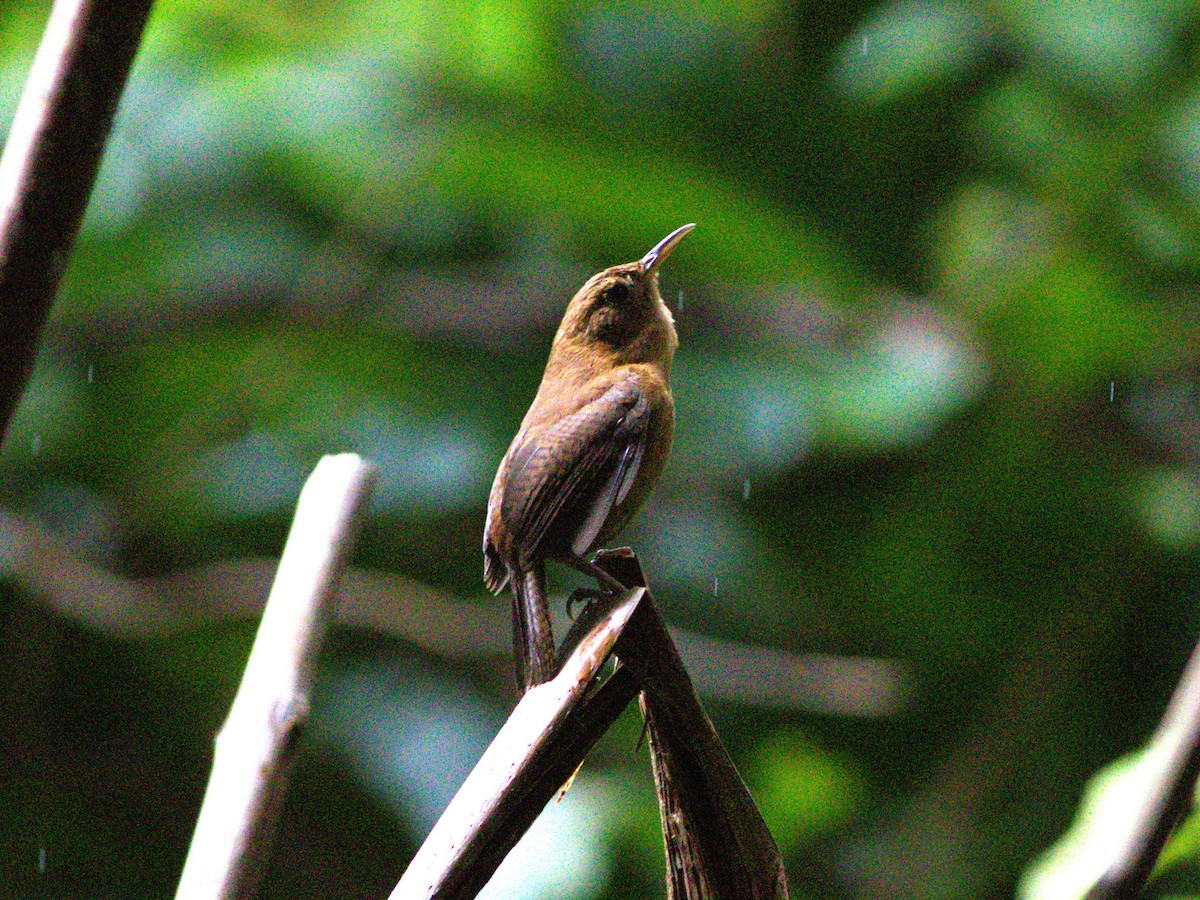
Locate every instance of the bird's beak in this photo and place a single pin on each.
(664, 247)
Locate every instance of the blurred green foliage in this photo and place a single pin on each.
(937, 400)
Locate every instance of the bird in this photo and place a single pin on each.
(589, 450)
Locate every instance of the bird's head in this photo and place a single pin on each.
(621, 314)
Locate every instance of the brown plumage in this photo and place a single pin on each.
(590, 448)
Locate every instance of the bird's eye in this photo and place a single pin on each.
(618, 292)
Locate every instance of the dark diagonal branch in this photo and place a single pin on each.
(717, 844)
(49, 166)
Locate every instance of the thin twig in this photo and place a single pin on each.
(1176, 744)
(49, 166)
(50, 569)
(256, 747)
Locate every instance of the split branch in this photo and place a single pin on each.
(714, 832)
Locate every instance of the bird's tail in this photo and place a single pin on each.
(533, 639)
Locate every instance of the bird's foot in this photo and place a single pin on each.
(586, 596)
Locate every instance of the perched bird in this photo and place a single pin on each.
(589, 450)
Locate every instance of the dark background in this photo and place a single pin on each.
(936, 391)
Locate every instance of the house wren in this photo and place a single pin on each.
(589, 449)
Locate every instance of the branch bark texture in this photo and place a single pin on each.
(49, 166)
(256, 748)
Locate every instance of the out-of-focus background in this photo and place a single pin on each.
(930, 529)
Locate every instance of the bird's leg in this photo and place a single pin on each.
(581, 595)
(610, 584)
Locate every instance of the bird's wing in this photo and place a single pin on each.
(563, 480)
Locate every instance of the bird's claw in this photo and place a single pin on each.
(584, 595)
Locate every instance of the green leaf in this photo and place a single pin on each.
(909, 46)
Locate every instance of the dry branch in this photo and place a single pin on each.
(49, 166)
(717, 844)
(257, 745)
(542, 743)
(713, 830)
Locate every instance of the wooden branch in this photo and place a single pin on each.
(713, 830)
(49, 166)
(540, 746)
(257, 745)
(717, 844)
(1176, 744)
